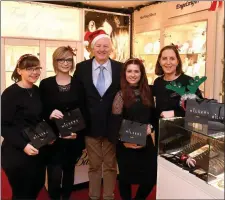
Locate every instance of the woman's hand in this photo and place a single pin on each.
(153, 137)
(132, 146)
(167, 114)
(56, 114)
(73, 136)
(149, 130)
(30, 150)
(50, 143)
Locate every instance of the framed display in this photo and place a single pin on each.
(116, 26)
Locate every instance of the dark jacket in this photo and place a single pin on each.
(96, 109)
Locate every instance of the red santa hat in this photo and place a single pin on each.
(93, 37)
(86, 38)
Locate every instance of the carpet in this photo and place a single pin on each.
(81, 194)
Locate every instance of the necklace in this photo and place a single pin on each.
(29, 92)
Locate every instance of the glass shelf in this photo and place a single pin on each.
(147, 47)
(182, 146)
(191, 41)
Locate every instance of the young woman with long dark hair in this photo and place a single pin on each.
(137, 164)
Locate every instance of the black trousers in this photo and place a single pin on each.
(26, 182)
(60, 175)
(142, 192)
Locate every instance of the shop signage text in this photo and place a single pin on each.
(147, 16)
(188, 3)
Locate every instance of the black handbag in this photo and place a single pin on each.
(133, 132)
(71, 122)
(40, 135)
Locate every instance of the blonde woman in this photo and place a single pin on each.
(58, 96)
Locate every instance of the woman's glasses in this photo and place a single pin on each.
(34, 69)
(62, 60)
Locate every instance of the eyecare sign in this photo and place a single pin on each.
(177, 8)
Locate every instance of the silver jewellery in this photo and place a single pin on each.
(30, 93)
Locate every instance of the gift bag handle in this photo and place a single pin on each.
(199, 101)
(220, 113)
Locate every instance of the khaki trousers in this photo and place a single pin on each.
(102, 161)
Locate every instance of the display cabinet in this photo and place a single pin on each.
(197, 152)
(190, 40)
(146, 48)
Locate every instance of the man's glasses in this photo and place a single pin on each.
(34, 69)
(62, 60)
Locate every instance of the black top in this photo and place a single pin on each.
(136, 166)
(62, 98)
(21, 108)
(167, 99)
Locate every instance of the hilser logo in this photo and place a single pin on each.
(133, 133)
(69, 124)
(40, 135)
(198, 111)
(188, 3)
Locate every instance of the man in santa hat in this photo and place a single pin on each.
(97, 81)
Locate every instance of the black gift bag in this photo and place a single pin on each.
(40, 135)
(72, 122)
(216, 120)
(133, 132)
(197, 110)
(216, 112)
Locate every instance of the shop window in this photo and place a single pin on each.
(40, 20)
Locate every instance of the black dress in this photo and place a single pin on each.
(63, 151)
(21, 108)
(136, 166)
(63, 154)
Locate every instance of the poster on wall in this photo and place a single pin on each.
(116, 26)
(81, 169)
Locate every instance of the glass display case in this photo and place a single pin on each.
(146, 47)
(199, 153)
(190, 39)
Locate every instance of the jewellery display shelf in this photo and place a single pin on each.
(146, 48)
(197, 155)
(190, 39)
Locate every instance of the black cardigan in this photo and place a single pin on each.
(53, 99)
(19, 110)
(167, 99)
